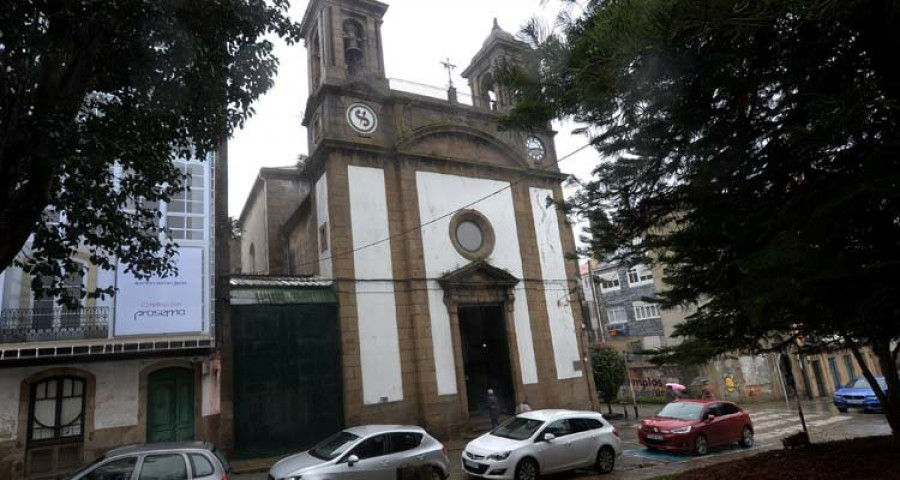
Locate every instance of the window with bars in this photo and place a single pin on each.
(186, 213)
(56, 410)
(645, 311)
(639, 275)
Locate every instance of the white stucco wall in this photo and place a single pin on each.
(321, 219)
(438, 195)
(379, 346)
(556, 290)
(255, 231)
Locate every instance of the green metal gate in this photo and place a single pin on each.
(287, 377)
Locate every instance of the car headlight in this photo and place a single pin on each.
(682, 429)
(498, 456)
(295, 477)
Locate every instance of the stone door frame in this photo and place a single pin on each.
(481, 284)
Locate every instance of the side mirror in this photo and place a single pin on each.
(710, 417)
(548, 437)
(352, 460)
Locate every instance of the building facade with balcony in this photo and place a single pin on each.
(76, 381)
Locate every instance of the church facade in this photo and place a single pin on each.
(437, 233)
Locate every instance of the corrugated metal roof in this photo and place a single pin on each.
(269, 281)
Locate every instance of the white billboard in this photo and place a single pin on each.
(173, 304)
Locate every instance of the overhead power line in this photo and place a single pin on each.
(521, 179)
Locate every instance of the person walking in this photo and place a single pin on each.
(493, 404)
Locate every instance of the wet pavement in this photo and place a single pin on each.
(772, 421)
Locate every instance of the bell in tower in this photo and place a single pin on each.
(499, 47)
(343, 39)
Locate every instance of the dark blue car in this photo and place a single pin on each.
(859, 394)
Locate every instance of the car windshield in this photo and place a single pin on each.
(517, 428)
(863, 383)
(334, 446)
(681, 411)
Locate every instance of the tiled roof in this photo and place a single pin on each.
(271, 281)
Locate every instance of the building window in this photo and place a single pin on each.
(56, 410)
(609, 282)
(639, 275)
(645, 311)
(617, 315)
(186, 212)
(471, 234)
(354, 47)
(851, 369)
(323, 237)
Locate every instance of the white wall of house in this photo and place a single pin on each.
(322, 220)
(438, 195)
(556, 288)
(379, 346)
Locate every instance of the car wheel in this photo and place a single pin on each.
(842, 410)
(606, 460)
(747, 437)
(701, 445)
(527, 469)
(436, 474)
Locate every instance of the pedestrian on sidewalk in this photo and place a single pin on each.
(523, 407)
(493, 404)
(706, 391)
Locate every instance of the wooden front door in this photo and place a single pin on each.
(170, 405)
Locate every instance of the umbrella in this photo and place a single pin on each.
(676, 386)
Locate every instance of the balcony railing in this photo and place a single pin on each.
(52, 324)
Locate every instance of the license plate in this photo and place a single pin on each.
(653, 436)
(855, 402)
(470, 464)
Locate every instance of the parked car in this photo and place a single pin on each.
(371, 452)
(859, 394)
(172, 461)
(543, 441)
(696, 426)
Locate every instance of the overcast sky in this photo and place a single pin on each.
(417, 35)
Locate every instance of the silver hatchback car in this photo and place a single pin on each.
(175, 461)
(371, 452)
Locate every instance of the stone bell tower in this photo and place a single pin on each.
(343, 38)
(499, 47)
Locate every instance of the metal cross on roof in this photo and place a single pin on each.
(449, 67)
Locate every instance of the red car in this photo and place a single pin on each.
(695, 426)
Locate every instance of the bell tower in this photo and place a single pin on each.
(499, 47)
(343, 39)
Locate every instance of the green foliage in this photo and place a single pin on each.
(609, 372)
(86, 84)
(753, 148)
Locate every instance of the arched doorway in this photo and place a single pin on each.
(170, 405)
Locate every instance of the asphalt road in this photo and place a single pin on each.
(772, 421)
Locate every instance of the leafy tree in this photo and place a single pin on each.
(86, 85)
(609, 373)
(753, 148)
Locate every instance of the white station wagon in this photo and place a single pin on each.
(543, 442)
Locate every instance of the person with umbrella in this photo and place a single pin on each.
(673, 391)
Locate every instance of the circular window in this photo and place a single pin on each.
(471, 234)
